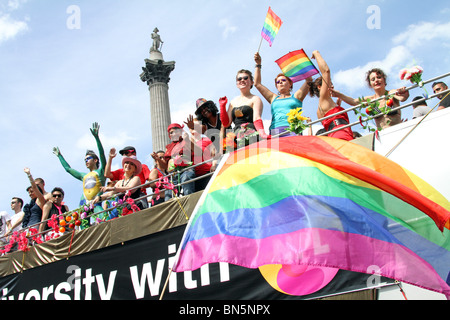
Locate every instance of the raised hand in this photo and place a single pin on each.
(95, 129)
(190, 122)
(56, 151)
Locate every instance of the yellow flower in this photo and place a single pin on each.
(291, 113)
(291, 119)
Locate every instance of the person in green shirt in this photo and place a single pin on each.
(95, 178)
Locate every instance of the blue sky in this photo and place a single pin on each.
(56, 81)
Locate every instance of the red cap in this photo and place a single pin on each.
(174, 125)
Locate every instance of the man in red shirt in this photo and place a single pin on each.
(205, 151)
(182, 147)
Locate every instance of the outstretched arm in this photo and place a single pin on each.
(325, 101)
(349, 100)
(40, 197)
(73, 172)
(326, 73)
(301, 93)
(101, 152)
(400, 94)
(266, 93)
(112, 155)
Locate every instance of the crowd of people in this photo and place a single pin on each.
(211, 130)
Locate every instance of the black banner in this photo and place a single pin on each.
(138, 270)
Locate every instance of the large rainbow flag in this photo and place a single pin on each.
(272, 25)
(325, 202)
(297, 65)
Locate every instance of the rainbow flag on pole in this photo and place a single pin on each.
(297, 65)
(323, 202)
(272, 25)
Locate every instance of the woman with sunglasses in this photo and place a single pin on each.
(283, 102)
(245, 110)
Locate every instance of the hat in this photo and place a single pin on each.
(135, 161)
(129, 148)
(202, 103)
(174, 125)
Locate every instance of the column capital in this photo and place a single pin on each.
(157, 71)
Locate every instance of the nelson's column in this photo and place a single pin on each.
(156, 74)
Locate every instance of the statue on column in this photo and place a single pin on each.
(157, 42)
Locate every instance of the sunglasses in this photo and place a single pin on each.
(242, 78)
(13, 202)
(88, 158)
(130, 152)
(57, 195)
(281, 80)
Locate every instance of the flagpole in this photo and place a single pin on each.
(199, 203)
(260, 43)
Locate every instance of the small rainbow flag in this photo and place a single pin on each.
(271, 26)
(297, 66)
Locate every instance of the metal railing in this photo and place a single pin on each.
(170, 175)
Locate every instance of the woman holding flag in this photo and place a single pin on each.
(283, 102)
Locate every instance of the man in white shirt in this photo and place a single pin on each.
(14, 222)
(421, 108)
(3, 217)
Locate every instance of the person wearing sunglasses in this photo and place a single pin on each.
(159, 171)
(284, 101)
(14, 223)
(183, 149)
(95, 178)
(211, 125)
(131, 168)
(54, 206)
(245, 110)
(118, 174)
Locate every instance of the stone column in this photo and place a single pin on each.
(156, 74)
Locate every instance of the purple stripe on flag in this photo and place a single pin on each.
(305, 75)
(328, 248)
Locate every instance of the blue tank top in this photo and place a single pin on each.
(280, 108)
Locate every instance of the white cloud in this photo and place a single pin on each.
(228, 28)
(9, 28)
(400, 56)
(14, 4)
(353, 80)
(417, 34)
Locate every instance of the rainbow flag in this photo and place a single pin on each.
(297, 66)
(272, 25)
(324, 202)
